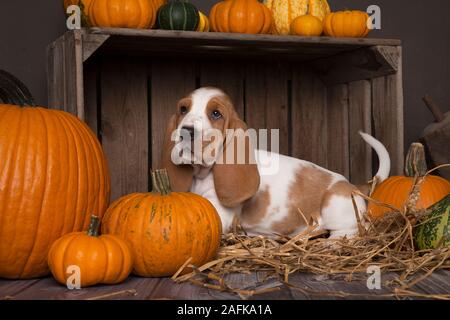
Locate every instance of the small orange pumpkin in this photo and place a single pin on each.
(137, 14)
(240, 16)
(307, 25)
(395, 190)
(165, 228)
(350, 24)
(101, 259)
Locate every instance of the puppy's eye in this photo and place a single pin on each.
(183, 110)
(216, 115)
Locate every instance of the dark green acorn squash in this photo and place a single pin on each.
(178, 15)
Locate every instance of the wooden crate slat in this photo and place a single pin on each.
(308, 117)
(242, 39)
(91, 92)
(338, 130)
(227, 75)
(360, 105)
(360, 64)
(124, 113)
(171, 80)
(65, 74)
(266, 100)
(387, 113)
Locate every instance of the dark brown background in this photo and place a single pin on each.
(26, 27)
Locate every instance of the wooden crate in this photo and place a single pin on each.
(318, 91)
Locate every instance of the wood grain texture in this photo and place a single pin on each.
(302, 286)
(338, 130)
(243, 38)
(65, 74)
(387, 113)
(228, 76)
(91, 94)
(360, 105)
(309, 117)
(170, 81)
(266, 100)
(124, 121)
(361, 64)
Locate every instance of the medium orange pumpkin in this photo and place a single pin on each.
(240, 16)
(350, 24)
(395, 190)
(307, 25)
(101, 259)
(137, 14)
(52, 172)
(164, 228)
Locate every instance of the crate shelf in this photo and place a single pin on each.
(318, 91)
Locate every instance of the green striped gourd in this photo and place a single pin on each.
(433, 232)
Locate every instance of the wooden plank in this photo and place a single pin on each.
(243, 38)
(91, 92)
(92, 43)
(171, 80)
(124, 121)
(65, 74)
(338, 130)
(361, 64)
(387, 112)
(228, 76)
(308, 117)
(302, 286)
(10, 288)
(360, 104)
(266, 100)
(55, 74)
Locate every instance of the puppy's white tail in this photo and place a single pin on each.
(383, 156)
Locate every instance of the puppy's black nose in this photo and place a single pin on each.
(188, 131)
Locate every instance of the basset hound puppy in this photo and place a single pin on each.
(265, 200)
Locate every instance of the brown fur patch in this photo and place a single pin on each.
(340, 188)
(305, 193)
(255, 209)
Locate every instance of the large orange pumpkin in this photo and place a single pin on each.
(396, 190)
(240, 16)
(164, 228)
(53, 176)
(101, 259)
(137, 14)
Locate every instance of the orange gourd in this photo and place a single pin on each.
(203, 24)
(349, 24)
(285, 11)
(101, 259)
(52, 172)
(240, 16)
(164, 228)
(395, 190)
(137, 14)
(307, 25)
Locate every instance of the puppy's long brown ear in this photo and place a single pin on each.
(236, 182)
(180, 175)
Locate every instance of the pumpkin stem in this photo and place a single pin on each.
(93, 226)
(161, 182)
(415, 164)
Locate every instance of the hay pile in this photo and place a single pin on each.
(386, 242)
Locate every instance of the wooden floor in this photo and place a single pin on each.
(307, 286)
